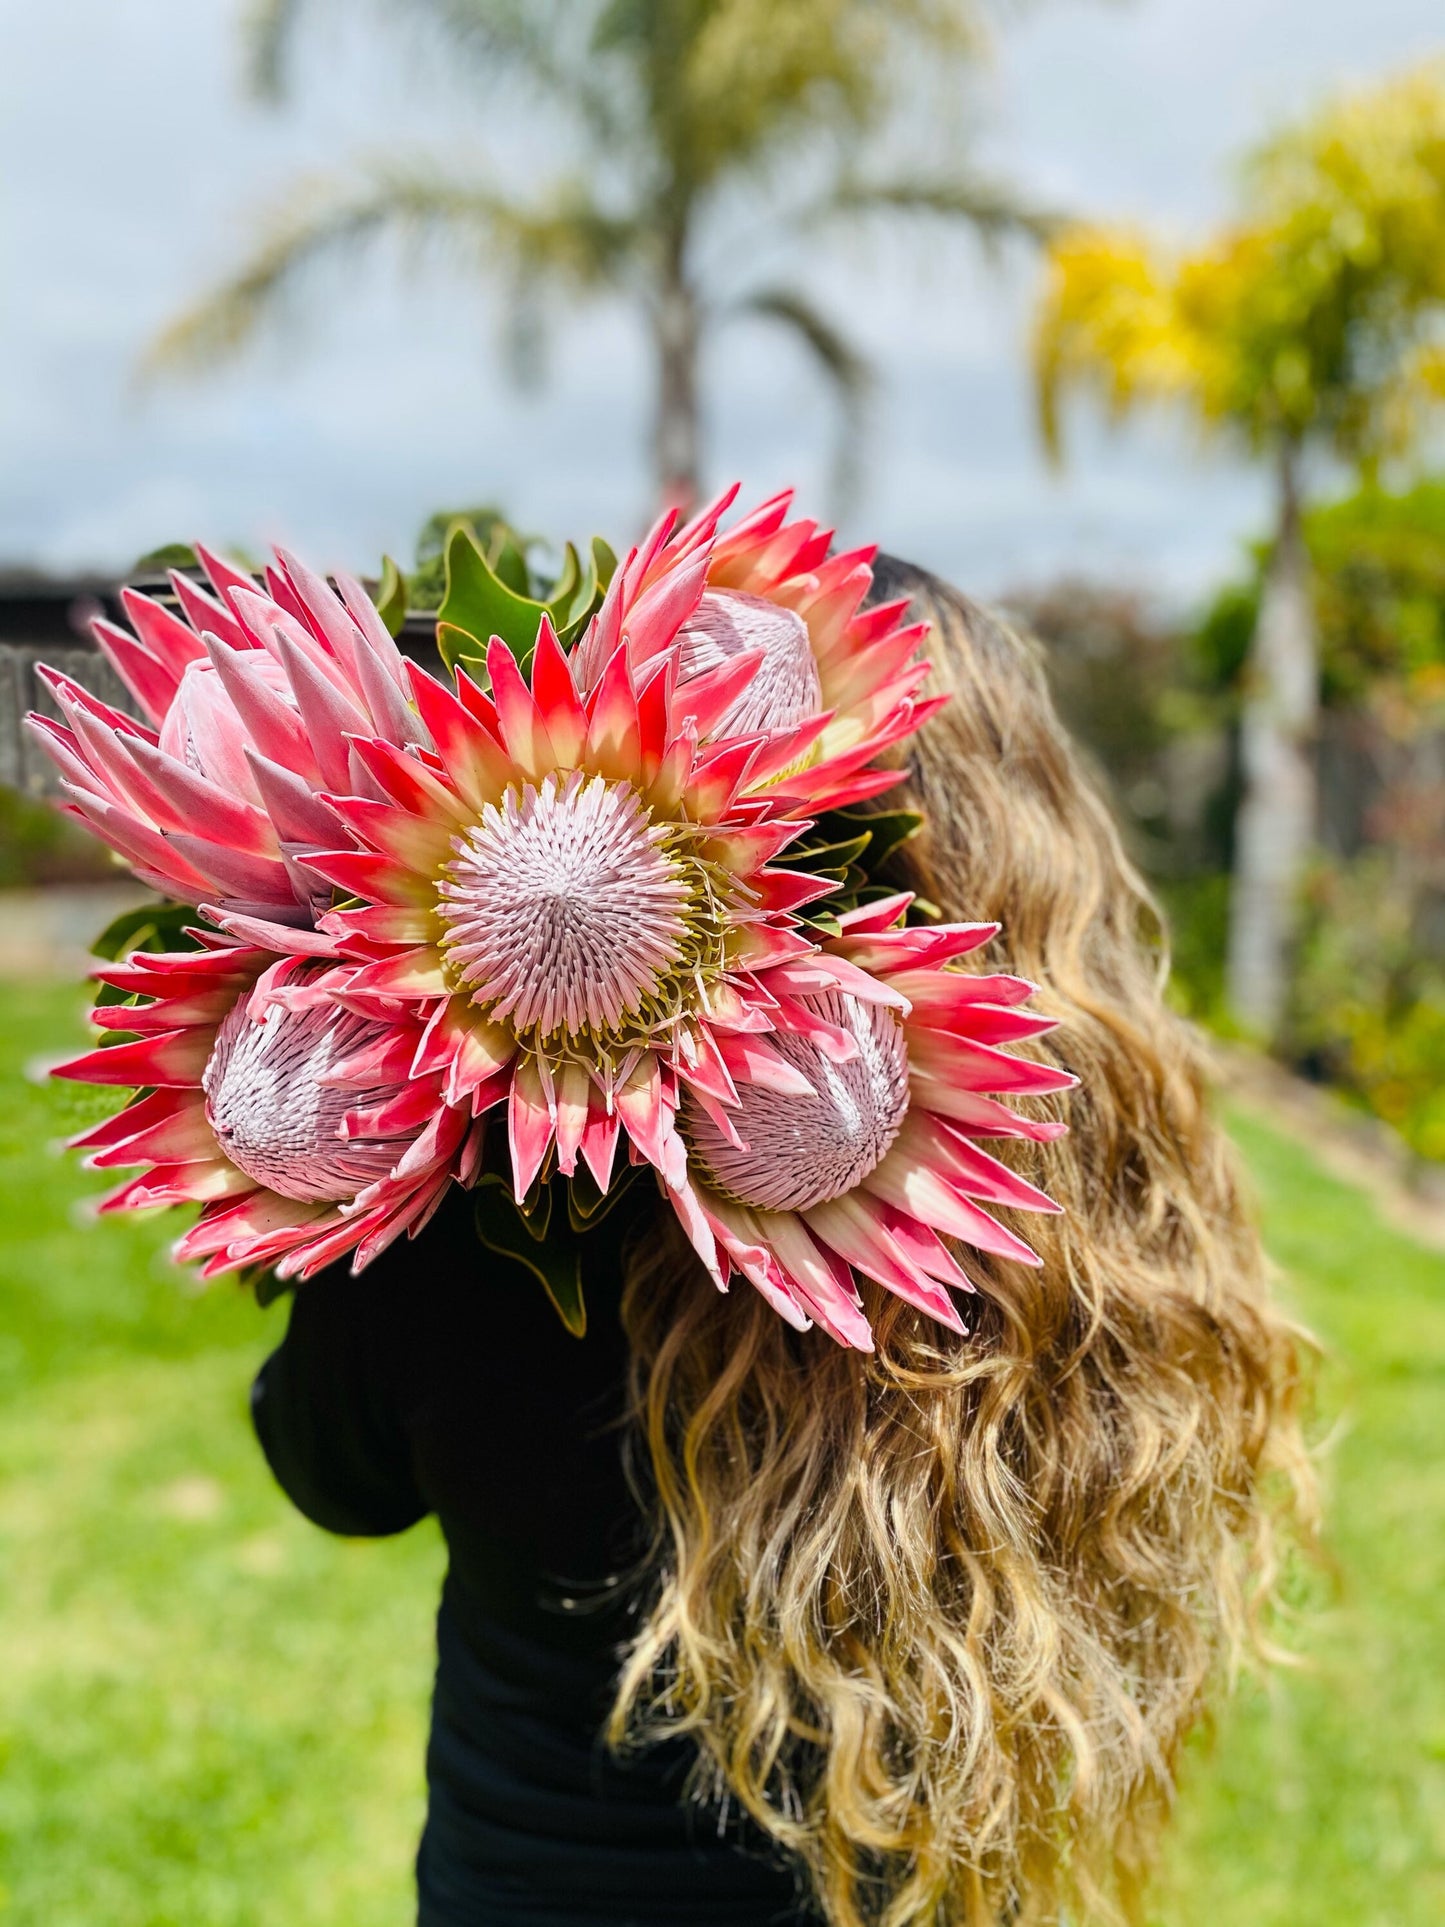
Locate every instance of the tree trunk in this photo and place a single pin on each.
(676, 434)
(1276, 823)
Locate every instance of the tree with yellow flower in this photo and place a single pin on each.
(1310, 332)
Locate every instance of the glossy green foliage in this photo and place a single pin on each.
(550, 1250)
(156, 926)
(491, 591)
(852, 849)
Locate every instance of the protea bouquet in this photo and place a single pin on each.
(595, 903)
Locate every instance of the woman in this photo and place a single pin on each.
(741, 1626)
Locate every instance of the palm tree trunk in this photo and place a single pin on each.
(1276, 822)
(676, 433)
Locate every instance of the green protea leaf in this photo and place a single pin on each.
(478, 605)
(552, 1252)
(391, 596)
(887, 831)
(604, 561)
(568, 582)
(264, 1284)
(508, 562)
(151, 926)
(587, 1205)
(577, 595)
(489, 593)
(850, 848)
(458, 650)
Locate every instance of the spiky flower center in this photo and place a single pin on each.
(802, 1151)
(568, 912)
(785, 690)
(277, 1120)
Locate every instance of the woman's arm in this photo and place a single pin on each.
(326, 1404)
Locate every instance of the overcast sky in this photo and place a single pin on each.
(133, 168)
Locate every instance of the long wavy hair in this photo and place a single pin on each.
(941, 1617)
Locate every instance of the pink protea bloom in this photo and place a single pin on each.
(251, 697)
(297, 1126)
(576, 900)
(876, 1169)
(834, 684)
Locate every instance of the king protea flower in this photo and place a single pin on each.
(835, 684)
(251, 704)
(299, 1127)
(556, 896)
(875, 1169)
(574, 898)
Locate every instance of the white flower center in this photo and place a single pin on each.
(785, 691)
(564, 909)
(802, 1151)
(276, 1120)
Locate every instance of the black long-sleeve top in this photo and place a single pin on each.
(443, 1381)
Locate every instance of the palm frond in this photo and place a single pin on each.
(995, 211)
(566, 238)
(546, 43)
(845, 367)
(543, 42)
(266, 31)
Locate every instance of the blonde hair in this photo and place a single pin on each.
(940, 1618)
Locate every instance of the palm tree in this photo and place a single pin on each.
(1309, 332)
(664, 109)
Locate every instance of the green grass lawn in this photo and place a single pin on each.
(211, 1713)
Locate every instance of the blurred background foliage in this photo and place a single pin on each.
(39, 848)
(1155, 699)
(1309, 334)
